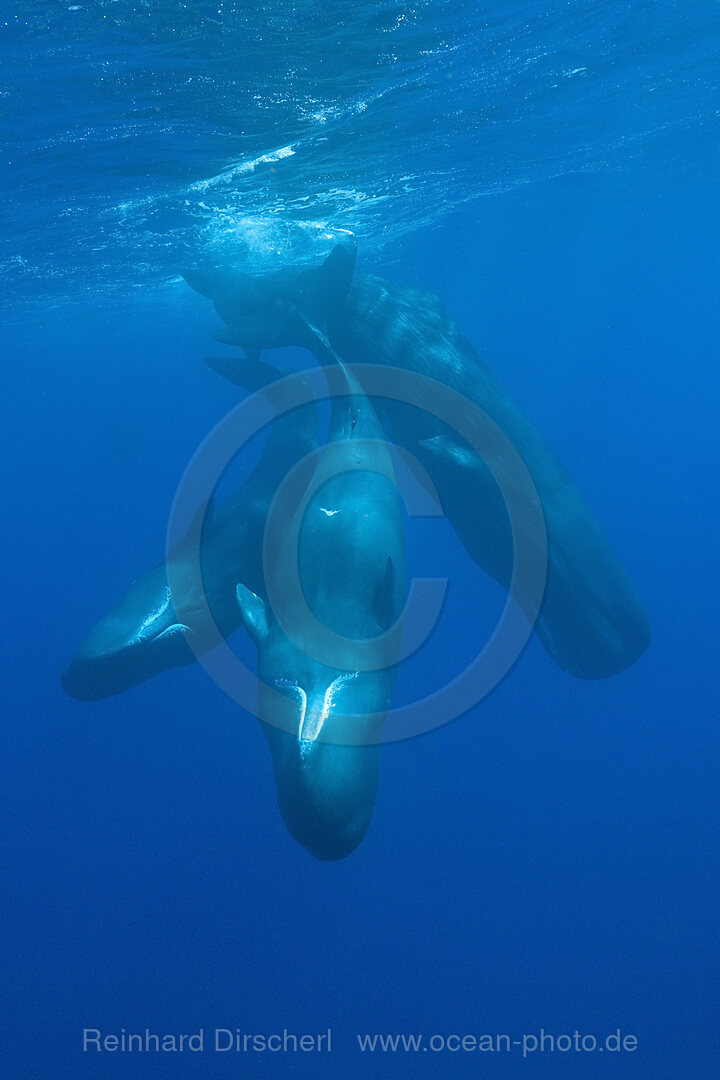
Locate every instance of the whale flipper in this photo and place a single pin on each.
(230, 336)
(249, 373)
(253, 611)
(444, 446)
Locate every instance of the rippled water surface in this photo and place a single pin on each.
(139, 134)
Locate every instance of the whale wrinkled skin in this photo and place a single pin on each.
(591, 621)
(323, 717)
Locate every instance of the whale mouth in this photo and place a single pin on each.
(312, 719)
(99, 678)
(312, 725)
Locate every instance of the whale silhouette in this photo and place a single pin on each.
(591, 621)
(344, 533)
(337, 567)
(144, 635)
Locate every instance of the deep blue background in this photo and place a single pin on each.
(549, 860)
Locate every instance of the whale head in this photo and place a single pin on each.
(322, 725)
(139, 638)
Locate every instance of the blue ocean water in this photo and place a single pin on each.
(548, 862)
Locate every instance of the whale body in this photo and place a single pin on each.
(322, 721)
(591, 620)
(339, 560)
(147, 632)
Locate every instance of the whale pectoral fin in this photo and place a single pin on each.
(254, 613)
(249, 373)
(385, 597)
(229, 335)
(444, 447)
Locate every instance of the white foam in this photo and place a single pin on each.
(242, 168)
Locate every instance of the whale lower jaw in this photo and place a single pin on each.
(95, 677)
